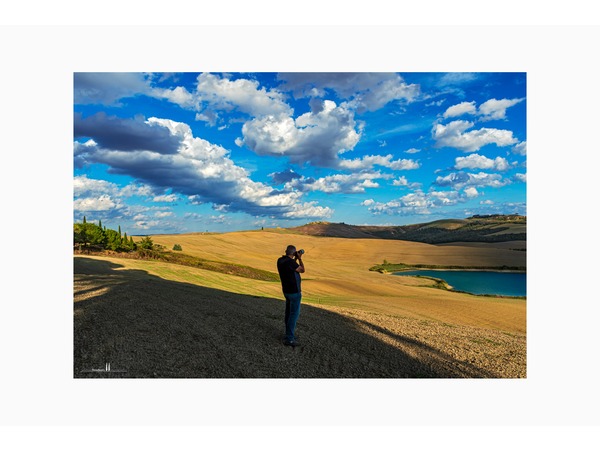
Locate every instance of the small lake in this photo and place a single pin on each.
(478, 282)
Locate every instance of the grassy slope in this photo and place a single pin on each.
(337, 274)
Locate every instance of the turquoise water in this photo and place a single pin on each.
(479, 282)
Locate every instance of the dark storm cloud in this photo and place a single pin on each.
(107, 88)
(345, 84)
(369, 91)
(284, 177)
(125, 134)
(302, 184)
(182, 177)
(453, 179)
(178, 175)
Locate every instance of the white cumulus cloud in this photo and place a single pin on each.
(476, 161)
(243, 94)
(459, 180)
(307, 210)
(167, 198)
(522, 177)
(402, 181)
(101, 203)
(104, 197)
(471, 192)
(367, 162)
(520, 148)
(347, 183)
(455, 135)
(84, 186)
(460, 109)
(417, 202)
(316, 137)
(494, 109)
(214, 93)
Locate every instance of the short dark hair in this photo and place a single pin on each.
(290, 250)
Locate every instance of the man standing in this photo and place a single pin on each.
(290, 266)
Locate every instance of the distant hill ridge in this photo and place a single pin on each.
(478, 228)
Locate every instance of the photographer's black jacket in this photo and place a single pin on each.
(290, 279)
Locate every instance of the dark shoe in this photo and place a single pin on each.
(291, 343)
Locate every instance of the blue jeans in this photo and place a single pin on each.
(292, 311)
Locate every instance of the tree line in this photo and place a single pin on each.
(89, 236)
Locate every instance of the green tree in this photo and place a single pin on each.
(79, 235)
(127, 244)
(86, 234)
(113, 240)
(177, 247)
(146, 243)
(95, 235)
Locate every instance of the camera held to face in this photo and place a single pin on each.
(299, 253)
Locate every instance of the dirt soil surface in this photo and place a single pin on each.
(131, 324)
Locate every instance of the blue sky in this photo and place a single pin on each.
(184, 152)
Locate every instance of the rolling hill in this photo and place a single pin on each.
(493, 228)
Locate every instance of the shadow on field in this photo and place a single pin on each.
(130, 324)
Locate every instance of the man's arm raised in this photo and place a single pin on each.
(300, 263)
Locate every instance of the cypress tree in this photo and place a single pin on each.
(84, 236)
